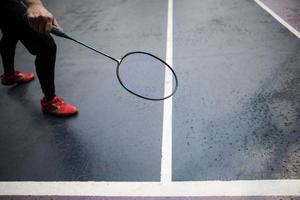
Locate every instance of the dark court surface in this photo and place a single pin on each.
(237, 112)
(288, 10)
(235, 116)
(116, 136)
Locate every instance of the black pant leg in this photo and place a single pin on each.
(8, 45)
(13, 24)
(8, 41)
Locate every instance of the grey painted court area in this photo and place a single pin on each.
(288, 10)
(116, 136)
(237, 112)
(143, 198)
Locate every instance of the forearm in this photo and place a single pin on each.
(32, 2)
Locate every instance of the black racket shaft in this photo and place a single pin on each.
(60, 33)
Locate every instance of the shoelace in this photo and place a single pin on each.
(58, 101)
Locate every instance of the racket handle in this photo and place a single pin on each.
(56, 31)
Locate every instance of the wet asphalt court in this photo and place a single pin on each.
(236, 114)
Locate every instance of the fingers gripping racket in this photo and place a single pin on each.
(140, 73)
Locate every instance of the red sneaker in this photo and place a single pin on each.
(58, 107)
(17, 77)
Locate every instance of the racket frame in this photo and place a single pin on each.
(159, 59)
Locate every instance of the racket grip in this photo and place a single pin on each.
(56, 31)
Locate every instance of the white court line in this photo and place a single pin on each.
(154, 189)
(166, 158)
(278, 18)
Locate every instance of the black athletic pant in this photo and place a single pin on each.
(15, 28)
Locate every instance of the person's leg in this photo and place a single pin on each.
(8, 44)
(7, 50)
(15, 27)
(44, 47)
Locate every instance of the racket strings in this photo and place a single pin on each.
(143, 75)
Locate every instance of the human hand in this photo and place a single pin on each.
(40, 19)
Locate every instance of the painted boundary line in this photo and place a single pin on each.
(166, 157)
(154, 189)
(278, 18)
